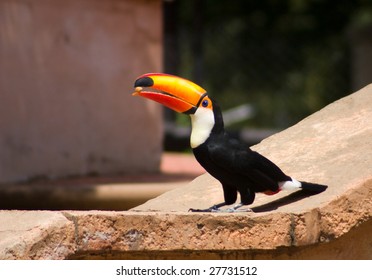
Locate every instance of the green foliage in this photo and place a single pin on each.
(288, 58)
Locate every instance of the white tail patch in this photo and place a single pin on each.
(290, 185)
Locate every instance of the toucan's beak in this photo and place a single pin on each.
(178, 94)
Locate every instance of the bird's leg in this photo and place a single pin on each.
(214, 208)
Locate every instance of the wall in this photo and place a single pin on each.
(66, 75)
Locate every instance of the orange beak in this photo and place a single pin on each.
(176, 93)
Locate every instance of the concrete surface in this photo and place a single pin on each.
(333, 146)
(66, 77)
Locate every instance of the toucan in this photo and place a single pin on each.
(238, 168)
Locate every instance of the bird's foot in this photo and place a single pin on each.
(216, 209)
(233, 210)
(200, 210)
(237, 209)
(210, 209)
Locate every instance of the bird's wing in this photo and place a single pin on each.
(266, 166)
(238, 159)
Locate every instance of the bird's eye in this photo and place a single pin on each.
(205, 103)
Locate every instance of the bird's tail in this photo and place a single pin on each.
(293, 184)
(314, 188)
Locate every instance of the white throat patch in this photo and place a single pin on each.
(202, 124)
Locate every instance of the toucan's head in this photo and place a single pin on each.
(183, 96)
(176, 93)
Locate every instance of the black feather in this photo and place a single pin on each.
(314, 188)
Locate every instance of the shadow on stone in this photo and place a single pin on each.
(273, 205)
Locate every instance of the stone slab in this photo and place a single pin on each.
(35, 235)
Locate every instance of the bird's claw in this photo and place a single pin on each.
(200, 210)
(211, 209)
(237, 210)
(214, 209)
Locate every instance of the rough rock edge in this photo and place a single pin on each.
(52, 241)
(103, 231)
(234, 232)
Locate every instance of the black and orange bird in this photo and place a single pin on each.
(230, 161)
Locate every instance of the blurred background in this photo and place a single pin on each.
(71, 134)
(285, 59)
